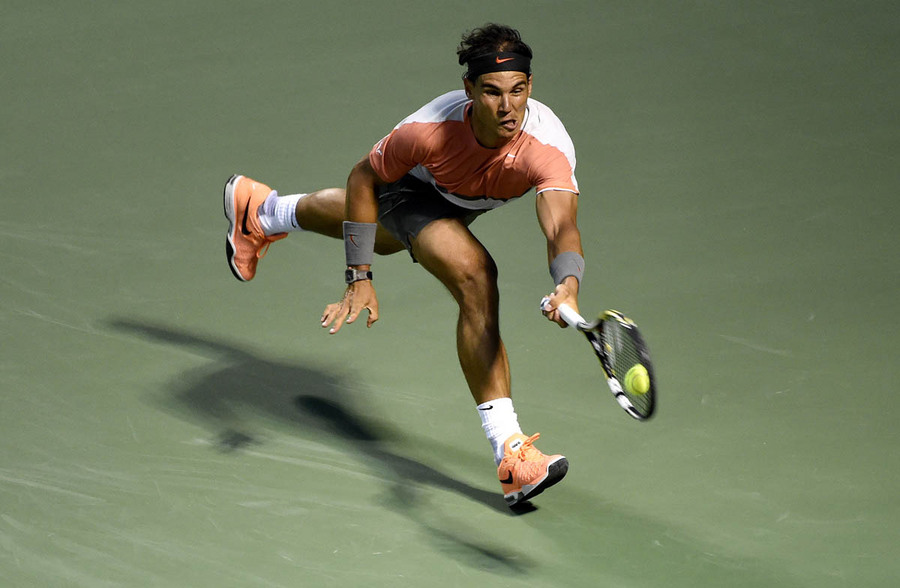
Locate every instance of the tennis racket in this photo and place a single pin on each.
(623, 356)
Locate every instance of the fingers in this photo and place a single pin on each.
(362, 297)
(555, 317)
(346, 311)
(548, 309)
(550, 305)
(334, 315)
(373, 316)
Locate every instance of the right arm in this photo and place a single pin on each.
(361, 206)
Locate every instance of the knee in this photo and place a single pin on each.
(476, 280)
(329, 200)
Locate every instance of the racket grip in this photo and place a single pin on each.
(568, 314)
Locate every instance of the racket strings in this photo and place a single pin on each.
(624, 352)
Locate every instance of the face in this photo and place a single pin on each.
(498, 105)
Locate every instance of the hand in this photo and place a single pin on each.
(359, 296)
(563, 294)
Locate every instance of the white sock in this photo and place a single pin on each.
(500, 422)
(279, 214)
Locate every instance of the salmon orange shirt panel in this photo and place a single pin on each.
(436, 144)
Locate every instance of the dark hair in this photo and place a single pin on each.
(491, 38)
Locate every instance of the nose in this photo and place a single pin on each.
(504, 102)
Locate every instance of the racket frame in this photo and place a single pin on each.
(593, 332)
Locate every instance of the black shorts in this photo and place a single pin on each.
(409, 204)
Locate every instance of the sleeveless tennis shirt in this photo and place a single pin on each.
(436, 145)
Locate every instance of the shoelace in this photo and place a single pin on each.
(269, 240)
(528, 452)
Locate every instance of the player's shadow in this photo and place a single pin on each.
(238, 387)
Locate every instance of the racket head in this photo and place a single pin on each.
(623, 348)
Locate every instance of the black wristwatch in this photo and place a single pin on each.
(355, 275)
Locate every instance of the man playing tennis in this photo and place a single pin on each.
(418, 189)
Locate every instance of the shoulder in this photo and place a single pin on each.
(548, 151)
(445, 108)
(417, 137)
(543, 124)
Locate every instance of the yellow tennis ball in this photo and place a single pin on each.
(637, 380)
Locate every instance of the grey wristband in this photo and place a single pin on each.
(359, 242)
(567, 263)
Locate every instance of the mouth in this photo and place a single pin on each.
(509, 124)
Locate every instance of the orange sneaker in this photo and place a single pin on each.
(525, 472)
(245, 242)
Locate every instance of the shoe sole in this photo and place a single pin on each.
(556, 471)
(231, 215)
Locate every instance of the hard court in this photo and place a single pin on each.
(164, 425)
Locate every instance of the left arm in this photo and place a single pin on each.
(557, 213)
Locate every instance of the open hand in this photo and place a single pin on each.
(358, 296)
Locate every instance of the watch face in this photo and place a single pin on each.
(353, 275)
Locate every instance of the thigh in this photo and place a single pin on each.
(409, 205)
(448, 250)
(322, 212)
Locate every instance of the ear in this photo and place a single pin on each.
(468, 86)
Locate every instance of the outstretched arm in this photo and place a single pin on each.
(557, 212)
(361, 207)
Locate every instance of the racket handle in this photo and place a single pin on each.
(568, 314)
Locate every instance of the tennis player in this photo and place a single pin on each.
(419, 188)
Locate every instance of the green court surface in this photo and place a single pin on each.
(164, 425)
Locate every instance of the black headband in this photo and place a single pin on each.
(502, 61)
